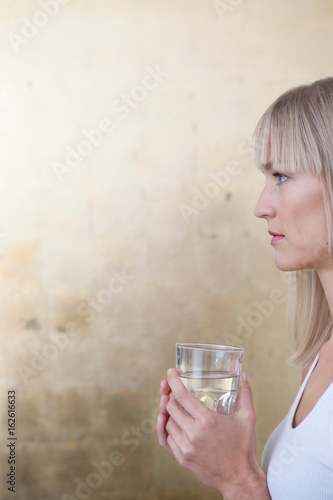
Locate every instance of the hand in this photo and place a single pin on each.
(220, 450)
(163, 415)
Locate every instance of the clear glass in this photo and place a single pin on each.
(211, 372)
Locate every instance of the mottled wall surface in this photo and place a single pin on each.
(127, 191)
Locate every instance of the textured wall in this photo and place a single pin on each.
(126, 224)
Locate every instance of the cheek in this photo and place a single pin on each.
(308, 219)
(319, 222)
(314, 233)
(296, 220)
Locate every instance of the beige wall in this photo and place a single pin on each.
(108, 224)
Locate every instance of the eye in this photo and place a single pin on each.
(280, 177)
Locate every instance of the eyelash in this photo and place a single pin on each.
(277, 175)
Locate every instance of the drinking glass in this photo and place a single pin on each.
(211, 372)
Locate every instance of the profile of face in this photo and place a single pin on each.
(293, 206)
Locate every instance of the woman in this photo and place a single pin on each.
(294, 150)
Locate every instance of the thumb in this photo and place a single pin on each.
(244, 399)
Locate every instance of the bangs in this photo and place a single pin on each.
(286, 135)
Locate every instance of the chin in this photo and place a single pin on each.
(283, 267)
(288, 265)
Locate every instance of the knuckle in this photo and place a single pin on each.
(183, 461)
(167, 444)
(171, 405)
(206, 419)
(187, 452)
(168, 425)
(249, 416)
(196, 435)
(180, 393)
(163, 403)
(196, 438)
(164, 388)
(161, 439)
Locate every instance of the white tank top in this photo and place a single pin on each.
(299, 462)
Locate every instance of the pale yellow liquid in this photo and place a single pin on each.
(218, 390)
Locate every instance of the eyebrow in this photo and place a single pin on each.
(267, 166)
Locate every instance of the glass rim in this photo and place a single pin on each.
(209, 347)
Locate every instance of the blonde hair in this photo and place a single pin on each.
(296, 131)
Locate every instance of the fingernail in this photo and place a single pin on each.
(169, 371)
(159, 418)
(245, 377)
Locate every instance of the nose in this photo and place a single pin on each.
(265, 207)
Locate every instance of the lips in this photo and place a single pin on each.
(276, 237)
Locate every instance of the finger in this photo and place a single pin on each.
(176, 432)
(178, 437)
(244, 402)
(163, 404)
(162, 433)
(187, 400)
(164, 388)
(175, 450)
(180, 416)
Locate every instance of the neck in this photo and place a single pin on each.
(326, 278)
